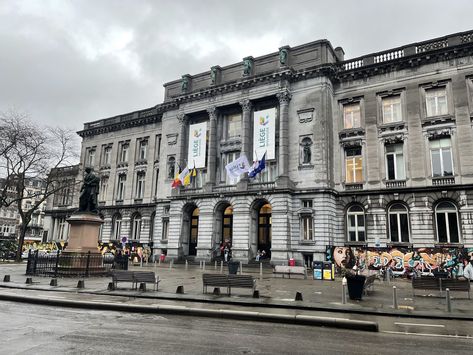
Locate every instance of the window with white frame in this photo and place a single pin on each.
(270, 173)
(448, 229)
(107, 155)
(123, 152)
(392, 109)
(140, 184)
(116, 226)
(351, 116)
(121, 187)
(398, 223)
(395, 167)
(436, 101)
(157, 147)
(103, 188)
(136, 226)
(307, 220)
(142, 150)
(356, 224)
(353, 165)
(165, 232)
(441, 157)
(90, 161)
(233, 125)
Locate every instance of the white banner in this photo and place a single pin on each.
(197, 145)
(264, 134)
(237, 167)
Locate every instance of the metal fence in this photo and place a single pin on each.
(65, 264)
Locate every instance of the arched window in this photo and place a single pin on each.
(306, 150)
(356, 224)
(398, 223)
(446, 217)
(227, 225)
(171, 167)
(116, 226)
(135, 226)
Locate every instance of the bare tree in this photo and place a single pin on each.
(31, 152)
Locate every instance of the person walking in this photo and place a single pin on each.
(468, 271)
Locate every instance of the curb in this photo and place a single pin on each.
(190, 311)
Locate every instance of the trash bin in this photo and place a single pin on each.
(292, 262)
(233, 267)
(317, 266)
(328, 271)
(355, 285)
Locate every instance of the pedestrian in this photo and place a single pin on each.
(258, 255)
(468, 271)
(226, 253)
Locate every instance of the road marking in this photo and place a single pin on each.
(429, 335)
(421, 325)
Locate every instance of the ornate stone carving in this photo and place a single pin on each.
(214, 75)
(185, 83)
(284, 97)
(182, 118)
(439, 132)
(172, 138)
(245, 105)
(283, 55)
(248, 66)
(212, 111)
(305, 115)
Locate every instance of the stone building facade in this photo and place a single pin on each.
(372, 152)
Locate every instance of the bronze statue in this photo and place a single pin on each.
(283, 56)
(89, 192)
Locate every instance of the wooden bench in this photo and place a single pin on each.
(146, 277)
(462, 285)
(290, 270)
(228, 281)
(425, 283)
(440, 284)
(369, 283)
(122, 276)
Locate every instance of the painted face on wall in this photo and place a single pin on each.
(341, 256)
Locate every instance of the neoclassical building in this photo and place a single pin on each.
(370, 151)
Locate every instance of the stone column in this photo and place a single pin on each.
(212, 159)
(246, 139)
(283, 164)
(183, 120)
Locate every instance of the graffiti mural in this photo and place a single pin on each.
(401, 260)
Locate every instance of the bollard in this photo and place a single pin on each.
(159, 261)
(6, 278)
(449, 301)
(344, 290)
(180, 289)
(29, 280)
(241, 267)
(141, 262)
(203, 265)
(395, 306)
(111, 286)
(170, 264)
(53, 282)
(215, 264)
(142, 286)
(221, 267)
(255, 294)
(298, 296)
(187, 265)
(80, 284)
(216, 291)
(200, 264)
(261, 270)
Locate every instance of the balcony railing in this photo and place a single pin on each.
(354, 187)
(264, 186)
(395, 183)
(225, 188)
(443, 181)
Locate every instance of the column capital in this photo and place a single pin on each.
(245, 105)
(182, 118)
(284, 97)
(212, 111)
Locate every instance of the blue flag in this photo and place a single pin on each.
(257, 167)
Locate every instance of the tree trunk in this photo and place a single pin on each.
(21, 241)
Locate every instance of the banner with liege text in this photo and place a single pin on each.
(197, 145)
(264, 130)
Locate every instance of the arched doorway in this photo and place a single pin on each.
(194, 232)
(227, 225)
(264, 229)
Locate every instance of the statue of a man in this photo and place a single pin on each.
(184, 83)
(247, 66)
(89, 192)
(283, 56)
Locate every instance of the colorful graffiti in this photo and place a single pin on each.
(426, 260)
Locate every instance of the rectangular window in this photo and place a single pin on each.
(307, 227)
(142, 150)
(107, 155)
(436, 102)
(157, 149)
(395, 162)
(121, 187)
(227, 158)
(392, 109)
(354, 165)
(123, 152)
(90, 157)
(441, 157)
(234, 125)
(307, 203)
(165, 229)
(351, 116)
(103, 188)
(140, 185)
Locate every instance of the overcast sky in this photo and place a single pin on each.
(69, 62)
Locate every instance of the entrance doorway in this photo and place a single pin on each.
(264, 229)
(194, 232)
(227, 225)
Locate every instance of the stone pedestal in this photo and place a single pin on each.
(83, 233)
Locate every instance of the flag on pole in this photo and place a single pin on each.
(183, 174)
(257, 167)
(237, 167)
(176, 182)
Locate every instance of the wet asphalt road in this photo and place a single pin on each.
(33, 329)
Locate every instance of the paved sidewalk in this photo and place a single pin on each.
(274, 292)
